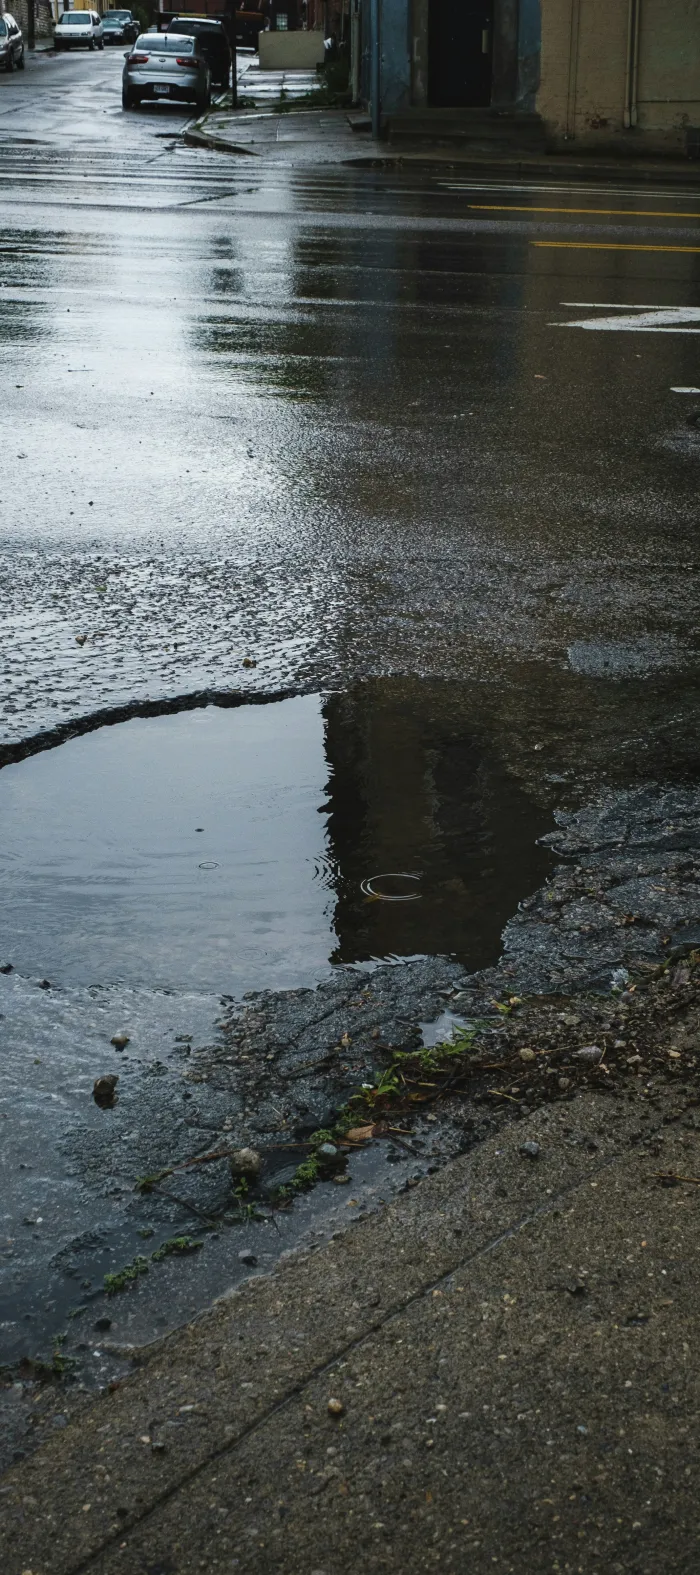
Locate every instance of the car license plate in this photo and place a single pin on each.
(161, 87)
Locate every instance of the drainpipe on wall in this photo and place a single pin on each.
(355, 50)
(573, 70)
(635, 62)
(376, 76)
(634, 17)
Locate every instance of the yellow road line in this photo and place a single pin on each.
(613, 246)
(625, 213)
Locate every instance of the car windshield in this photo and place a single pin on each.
(78, 18)
(3, 27)
(117, 16)
(181, 26)
(164, 43)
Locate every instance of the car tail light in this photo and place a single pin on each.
(138, 60)
(187, 60)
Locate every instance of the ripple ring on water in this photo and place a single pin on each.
(367, 886)
(209, 864)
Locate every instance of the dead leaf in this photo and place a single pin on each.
(359, 1134)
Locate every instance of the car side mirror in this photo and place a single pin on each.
(127, 52)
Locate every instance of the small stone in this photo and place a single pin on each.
(327, 1151)
(590, 1053)
(526, 1054)
(530, 1149)
(103, 1091)
(7, 968)
(336, 1408)
(342, 1181)
(247, 1258)
(564, 1083)
(120, 1041)
(245, 1162)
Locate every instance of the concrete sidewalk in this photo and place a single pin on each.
(302, 135)
(512, 1349)
(306, 134)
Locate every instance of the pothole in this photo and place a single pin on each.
(234, 849)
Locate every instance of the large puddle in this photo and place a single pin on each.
(152, 867)
(230, 849)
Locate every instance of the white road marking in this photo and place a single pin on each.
(643, 320)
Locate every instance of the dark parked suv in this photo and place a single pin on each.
(119, 27)
(212, 44)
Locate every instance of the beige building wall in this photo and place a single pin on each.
(620, 73)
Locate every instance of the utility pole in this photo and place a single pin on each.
(31, 24)
(230, 26)
(376, 66)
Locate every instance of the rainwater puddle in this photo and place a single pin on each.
(141, 922)
(229, 850)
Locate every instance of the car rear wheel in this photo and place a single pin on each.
(128, 100)
(20, 62)
(91, 44)
(10, 62)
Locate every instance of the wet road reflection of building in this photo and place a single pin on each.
(413, 788)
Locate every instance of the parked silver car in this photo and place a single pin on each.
(165, 66)
(11, 44)
(78, 30)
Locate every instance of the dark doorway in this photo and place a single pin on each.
(460, 44)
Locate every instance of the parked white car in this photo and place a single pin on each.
(11, 44)
(78, 30)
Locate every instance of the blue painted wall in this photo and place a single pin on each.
(395, 53)
(395, 24)
(396, 46)
(529, 44)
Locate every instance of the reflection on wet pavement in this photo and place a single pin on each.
(175, 851)
(221, 849)
(348, 437)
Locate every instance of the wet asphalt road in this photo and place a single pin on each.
(337, 421)
(345, 424)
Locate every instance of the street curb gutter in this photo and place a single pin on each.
(200, 139)
(432, 160)
(560, 169)
(215, 1388)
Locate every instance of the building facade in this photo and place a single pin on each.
(621, 74)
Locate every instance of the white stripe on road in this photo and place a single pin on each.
(647, 320)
